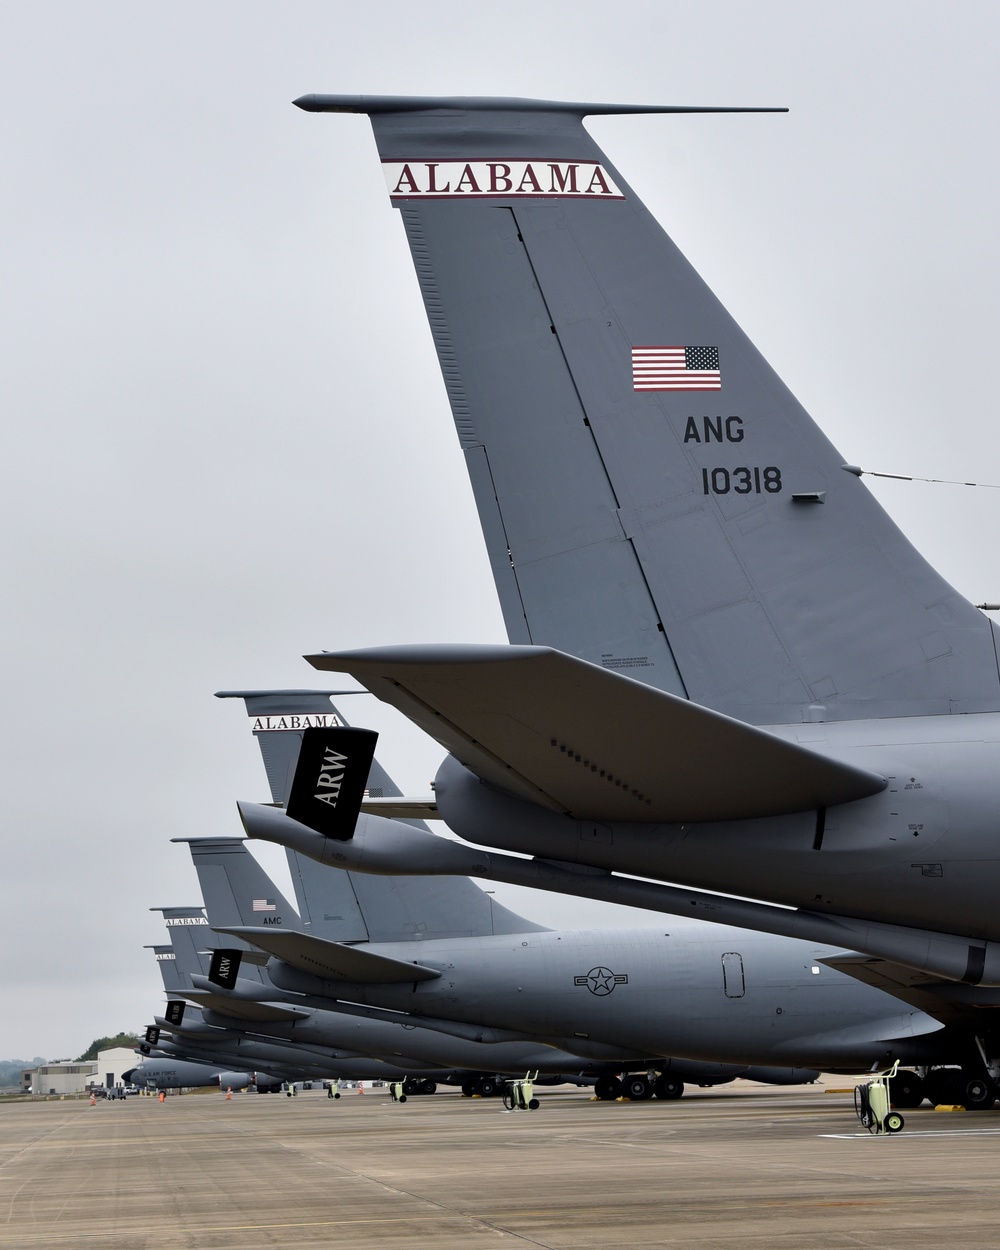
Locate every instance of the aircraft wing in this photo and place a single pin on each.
(580, 739)
(951, 1002)
(332, 960)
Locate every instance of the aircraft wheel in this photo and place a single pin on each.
(638, 1088)
(488, 1087)
(938, 1084)
(428, 1087)
(668, 1088)
(468, 1089)
(906, 1090)
(893, 1122)
(411, 1087)
(978, 1093)
(608, 1088)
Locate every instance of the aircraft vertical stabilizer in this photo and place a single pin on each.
(166, 961)
(654, 500)
(236, 888)
(352, 907)
(192, 942)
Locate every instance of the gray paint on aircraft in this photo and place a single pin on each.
(633, 536)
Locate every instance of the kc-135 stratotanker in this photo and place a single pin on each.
(225, 1010)
(349, 931)
(438, 955)
(727, 669)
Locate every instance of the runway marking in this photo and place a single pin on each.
(941, 1132)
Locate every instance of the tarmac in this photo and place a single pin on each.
(740, 1167)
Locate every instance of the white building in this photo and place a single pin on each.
(60, 1078)
(76, 1078)
(110, 1064)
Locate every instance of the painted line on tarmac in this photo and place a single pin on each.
(941, 1132)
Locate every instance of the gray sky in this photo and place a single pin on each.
(225, 438)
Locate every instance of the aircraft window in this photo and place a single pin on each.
(733, 981)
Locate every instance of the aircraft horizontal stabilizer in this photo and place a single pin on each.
(332, 960)
(244, 1009)
(402, 808)
(577, 738)
(321, 103)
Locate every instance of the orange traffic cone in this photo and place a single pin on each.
(229, 1093)
(163, 1097)
(361, 1087)
(93, 1100)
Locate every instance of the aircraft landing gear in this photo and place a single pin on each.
(484, 1086)
(668, 1087)
(906, 1090)
(971, 1090)
(934, 1085)
(964, 1087)
(412, 1086)
(638, 1088)
(608, 1088)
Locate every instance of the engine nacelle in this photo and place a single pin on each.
(235, 1080)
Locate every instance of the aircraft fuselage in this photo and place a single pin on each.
(925, 852)
(698, 992)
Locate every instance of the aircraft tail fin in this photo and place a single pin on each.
(236, 889)
(278, 719)
(166, 961)
(394, 908)
(654, 500)
(190, 936)
(348, 907)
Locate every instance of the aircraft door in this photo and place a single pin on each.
(733, 980)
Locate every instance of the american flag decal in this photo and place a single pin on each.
(676, 369)
(264, 904)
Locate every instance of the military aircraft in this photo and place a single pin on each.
(359, 910)
(728, 668)
(181, 1035)
(698, 991)
(161, 1072)
(248, 1026)
(233, 882)
(694, 989)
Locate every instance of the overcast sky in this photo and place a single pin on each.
(225, 438)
